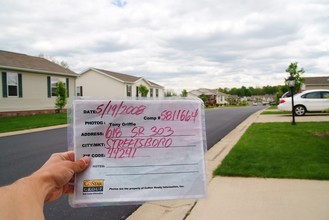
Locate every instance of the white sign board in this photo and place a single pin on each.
(140, 150)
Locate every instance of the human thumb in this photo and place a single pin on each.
(83, 163)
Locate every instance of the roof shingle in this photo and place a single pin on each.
(23, 61)
(120, 76)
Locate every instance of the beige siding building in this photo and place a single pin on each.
(213, 95)
(107, 84)
(28, 84)
(321, 82)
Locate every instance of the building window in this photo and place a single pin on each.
(54, 82)
(151, 92)
(79, 91)
(156, 92)
(52, 85)
(137, 91)
(128, 88)
(12, 84)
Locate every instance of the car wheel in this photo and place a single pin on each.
(300, 110)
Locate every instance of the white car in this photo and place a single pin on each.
(315, 100)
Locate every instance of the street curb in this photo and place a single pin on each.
(32, 130)
(180, 209)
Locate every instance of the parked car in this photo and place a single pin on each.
(286, 95)
(265, 103)
(315, 100)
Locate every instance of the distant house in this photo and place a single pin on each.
(95, 82)
(316, 83)
(221, 97)
(213, 96)
(28, 84)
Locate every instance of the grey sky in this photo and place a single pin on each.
(178, 44)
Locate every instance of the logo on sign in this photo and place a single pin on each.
(91, 186)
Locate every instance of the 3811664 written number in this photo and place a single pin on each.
(179, 115)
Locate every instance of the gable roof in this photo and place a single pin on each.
(218, 93)
(206, 91)
(120, 76)
(322, 80)
(201, 91)
(154, 84)
(125, 78)
(22, 62)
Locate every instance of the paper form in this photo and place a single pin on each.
(141, 150)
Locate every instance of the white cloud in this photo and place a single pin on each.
(179, 44)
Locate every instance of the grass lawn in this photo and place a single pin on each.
(273, 107)
(280, 150)
(275, 112)
(33, 121)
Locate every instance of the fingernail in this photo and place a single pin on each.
(86, 160)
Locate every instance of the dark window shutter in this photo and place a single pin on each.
(20, 85)
(4, 84)
(49, 86)
(67, 87)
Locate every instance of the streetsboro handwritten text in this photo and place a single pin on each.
(139, 142)
(139, 137)
(120, 109)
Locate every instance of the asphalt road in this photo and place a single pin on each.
(23, 154)
(219, 122)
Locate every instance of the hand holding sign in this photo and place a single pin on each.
(141, 150)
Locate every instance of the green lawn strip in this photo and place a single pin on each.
(275, 112)
(280, 150)
(273, 107)
(32, 121)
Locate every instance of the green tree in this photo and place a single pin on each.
(204, 98)
(258, 91)
(170, 93)
(232, 100)
(184, 93)
(251, 90)
(224, 90)
(234, 91)
(294, 72)
(143, 90)
(61, 99)
(244, 92)
(64, 64)
(51, 59)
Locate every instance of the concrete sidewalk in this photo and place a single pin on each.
(288, 118)
(258, 199)
(247, 198)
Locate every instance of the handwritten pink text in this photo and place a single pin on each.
(120, 108)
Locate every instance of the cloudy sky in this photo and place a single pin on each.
(178, 44)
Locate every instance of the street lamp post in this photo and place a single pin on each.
(291, 83)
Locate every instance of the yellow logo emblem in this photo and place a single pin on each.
(93, 185)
